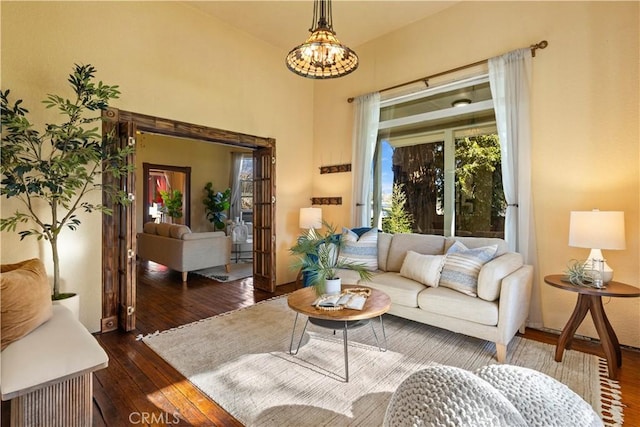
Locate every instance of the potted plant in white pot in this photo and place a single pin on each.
(60, 165)
(317, 258)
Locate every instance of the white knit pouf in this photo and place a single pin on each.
(540, 399)
(449, 396)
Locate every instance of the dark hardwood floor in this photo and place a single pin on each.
(139, 388)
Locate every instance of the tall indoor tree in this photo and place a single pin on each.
(60, 165)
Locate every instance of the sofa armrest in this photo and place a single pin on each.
(205, 253)
(492, 273)
(514, 302)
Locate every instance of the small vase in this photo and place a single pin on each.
(332, 286)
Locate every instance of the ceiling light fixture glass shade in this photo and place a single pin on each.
(322, 56)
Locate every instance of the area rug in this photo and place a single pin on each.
(240, 359)
(219, 273)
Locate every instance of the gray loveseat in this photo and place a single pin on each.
(179, 249)
(498, 311)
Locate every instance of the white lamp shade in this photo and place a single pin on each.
(597, 229)
(310, 218)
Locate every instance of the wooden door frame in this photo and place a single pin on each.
(110, 253)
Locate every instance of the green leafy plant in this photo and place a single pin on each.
(578, 273)
(398, 220)
(62, 164)
(317, 256)
(216, 203)
(172, 203)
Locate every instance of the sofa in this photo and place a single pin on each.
(176, 247)
(420, 274)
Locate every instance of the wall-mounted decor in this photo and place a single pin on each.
(335, 168)
(326, 200)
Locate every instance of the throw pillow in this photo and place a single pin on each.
(462, 267)
(25, 299)
(425, 269)
(363, 250)
(178, 231)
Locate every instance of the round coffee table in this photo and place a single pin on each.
(301, 301)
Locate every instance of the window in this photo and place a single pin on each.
(246, 187)
(442, 147)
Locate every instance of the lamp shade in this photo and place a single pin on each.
(310, 218)
(597, 229)
(322, 56)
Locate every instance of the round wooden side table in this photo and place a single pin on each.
(590, 300)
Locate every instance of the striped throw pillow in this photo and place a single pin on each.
(462, 267)
(363, 250)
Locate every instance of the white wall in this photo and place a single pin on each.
(585, 125)
(169, 61)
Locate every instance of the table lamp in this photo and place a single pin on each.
(597, 230)
(311, 218)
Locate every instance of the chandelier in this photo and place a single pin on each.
(322, 56)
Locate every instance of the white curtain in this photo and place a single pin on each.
(365, 134)
(510, 81)
(236, 191)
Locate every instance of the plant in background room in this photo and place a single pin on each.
(61, 165)
(216, 203)
(172, 203)
(317, 257)
(398, 220)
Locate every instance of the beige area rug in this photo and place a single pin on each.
(237, 271)
(240, 359)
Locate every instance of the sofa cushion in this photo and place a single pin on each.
(462, 267)
(455, 304)
(422, 268)
(25, 299)
(426, 244)
(492, 273)
(178, 231)
(163, 229)
(401, 290)
(361, 250)
(149, 227)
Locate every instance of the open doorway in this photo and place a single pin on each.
(119, 230)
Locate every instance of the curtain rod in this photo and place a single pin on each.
(540, 45)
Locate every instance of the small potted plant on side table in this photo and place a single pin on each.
(317, 258)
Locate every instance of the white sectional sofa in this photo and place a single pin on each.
(498, 311)
(179, 249)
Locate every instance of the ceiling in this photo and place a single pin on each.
(285, 24)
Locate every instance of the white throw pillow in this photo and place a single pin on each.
(362, 251)
(462, 267)
(425, 269)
